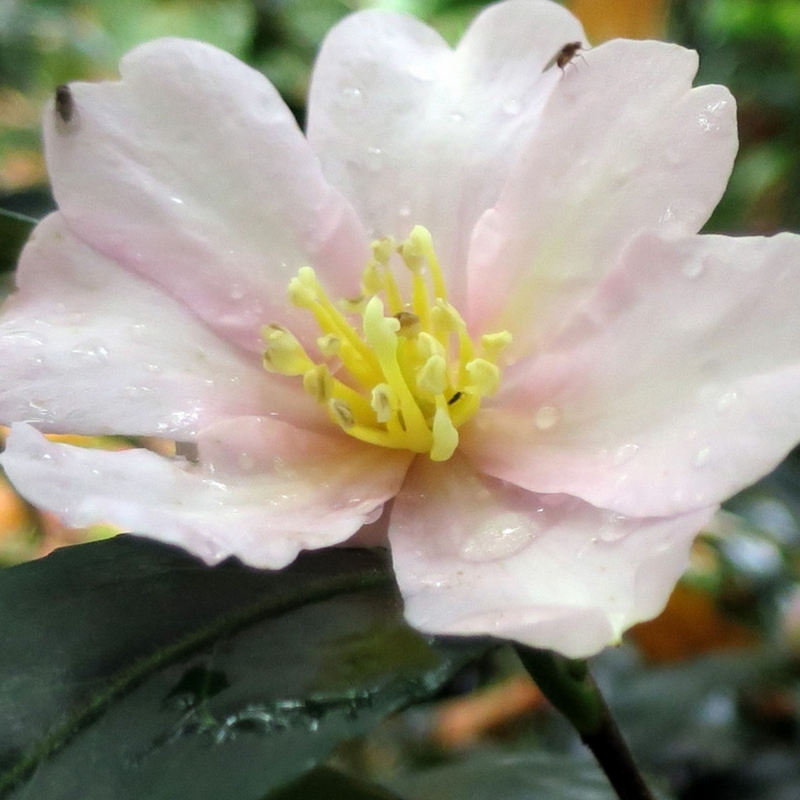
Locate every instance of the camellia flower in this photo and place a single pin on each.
(475, 290)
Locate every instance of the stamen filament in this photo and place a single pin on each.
(406, 378)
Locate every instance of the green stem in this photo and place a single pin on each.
(569, 686)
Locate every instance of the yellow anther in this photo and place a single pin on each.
(423, 244)
(352, 305)
(432, 377)
(372, 279)
(445, 435)
(384, 402)
(484, 376)
(341, 413)
(379, 331)
(329, 345)
(318, 382)
(492, 344)
(427, 346)
(303, 288)
(283, 353)
(410, 326)
(382, 249)
(446, 317)
(396, 372)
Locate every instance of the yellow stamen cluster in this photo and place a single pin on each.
(412, 375)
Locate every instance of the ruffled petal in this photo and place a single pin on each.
(677, 385)
(476, 556)
(625, 145)
(89, 348)
(415, 133)
(192, 172)
(263, 490)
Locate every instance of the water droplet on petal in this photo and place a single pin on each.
(702, 456)
(612, 529)
(624, 454)
(422, 72)
(727, 400)
(405, 211)
(91, 350)
(693, 269)
(236, 292)
(246, 462)
(499, 536)
(350, 97)
(546, 418)
(374, 159)
(512, 107)
(457, 116)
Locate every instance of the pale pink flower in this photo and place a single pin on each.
(652, 372)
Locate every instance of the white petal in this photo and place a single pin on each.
(677, 385)
(475, 556)
(415, 133)
(625, 144)
(87, 347)
(192, 172)
(263, 490)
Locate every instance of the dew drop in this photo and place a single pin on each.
(674, 157)
(623, 454)
(374, 159)
(546, 418)
(709, 118)
(405, 211)
(42, 413)
(91, 350)
(702, 456)
(177, 201)
(668, 215)
(727, 400)
(512, 108)
(246, 462)
(422, 72)
(499, 537)
(612, 529)
(457, 116)
(351, 97)
(138, 391)
(693, 269)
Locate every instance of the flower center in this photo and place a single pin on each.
(395, 373)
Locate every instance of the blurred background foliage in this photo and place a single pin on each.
(709, 693)
(752, 46)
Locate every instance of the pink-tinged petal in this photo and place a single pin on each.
(675, 386)
(262, 491)
(625, 144)
(415, 133)
(474, 555)
(192, 172)
(87, 347)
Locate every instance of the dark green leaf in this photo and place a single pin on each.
(325, 783)
(131, 670)
(498, 775)
(14, 231)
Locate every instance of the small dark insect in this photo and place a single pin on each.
(65, 103)
(455, 398)
(564, 55)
